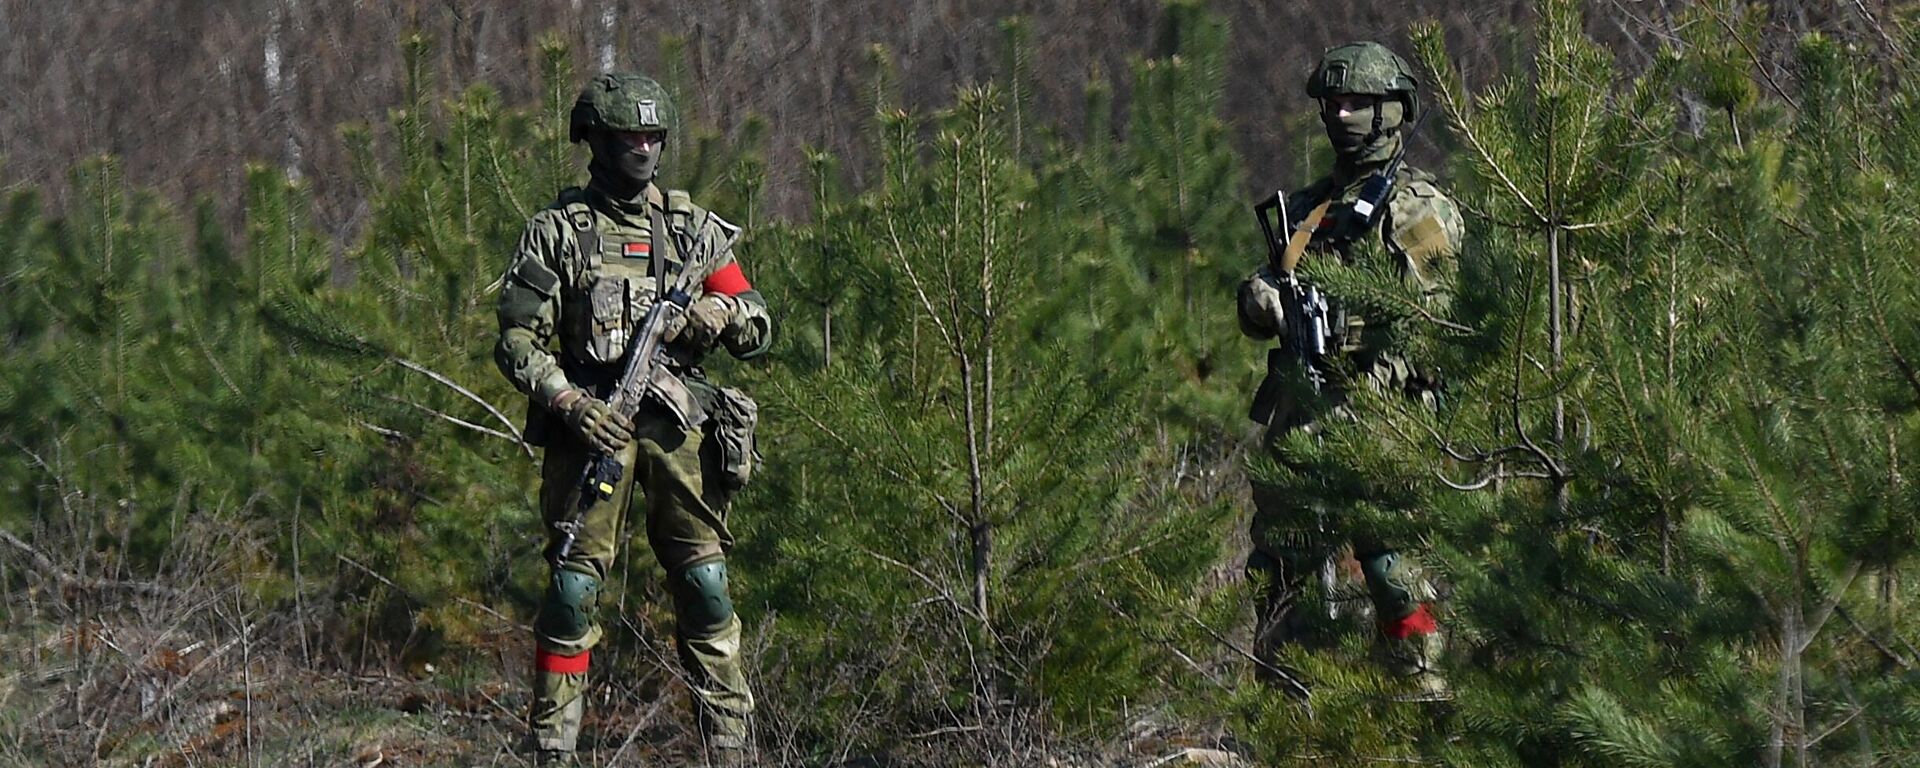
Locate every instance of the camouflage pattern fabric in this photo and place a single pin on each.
(581, 280)
(620, 101)
(549, 274)
(1291, 539)
(1364, 69)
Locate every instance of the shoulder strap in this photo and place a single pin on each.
(662, 242)
(586, 236)
(1303, 236)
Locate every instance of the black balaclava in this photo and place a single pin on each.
(621, 169)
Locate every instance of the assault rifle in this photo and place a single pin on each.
(645, 375)
(1307, 330)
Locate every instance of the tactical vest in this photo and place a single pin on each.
(616, 286)
(1343, 228)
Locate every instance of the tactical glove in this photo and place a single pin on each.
(700, 326)
(1261, 312)
(594, 421)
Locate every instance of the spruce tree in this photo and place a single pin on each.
(1672, 429)
(968, 487)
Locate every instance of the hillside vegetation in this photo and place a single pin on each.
(266, 502)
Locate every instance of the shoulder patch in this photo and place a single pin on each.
(1426, 239)
(1426, 225)
(533, 274)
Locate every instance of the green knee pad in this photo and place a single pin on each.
(700, 599)
(1393, 582)
(566, 611)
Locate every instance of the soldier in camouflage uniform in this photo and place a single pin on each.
(584, 272)
(1366, 95)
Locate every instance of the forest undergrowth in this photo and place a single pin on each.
(266, 500)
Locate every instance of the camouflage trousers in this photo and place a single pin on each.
(673, 476)
(1295, 540)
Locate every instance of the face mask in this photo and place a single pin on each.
(1352, 134)
(622, 167)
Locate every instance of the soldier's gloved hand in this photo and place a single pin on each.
(593, 420)
(700, 326)
(1262, 315)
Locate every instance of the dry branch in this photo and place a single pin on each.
(44, 565)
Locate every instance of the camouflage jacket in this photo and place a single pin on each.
(1420, 231)
(593, 302)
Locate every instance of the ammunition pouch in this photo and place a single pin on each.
(617, 308)
(673, 394)
(736, 416)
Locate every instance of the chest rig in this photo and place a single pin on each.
(623, 271)
(1348, 220)
(1336, 228)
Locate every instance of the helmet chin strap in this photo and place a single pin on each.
(1376, 133)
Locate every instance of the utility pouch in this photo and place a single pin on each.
(612, 318)
(735, 418)
(673, 394)
(1267, 398)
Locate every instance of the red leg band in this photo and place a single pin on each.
(547, 661)
(1420, 622)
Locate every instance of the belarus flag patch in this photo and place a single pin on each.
(638, 250)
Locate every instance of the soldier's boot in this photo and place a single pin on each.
(709, 645)
(1410, 649)
(565, 636)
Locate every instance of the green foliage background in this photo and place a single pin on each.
(1004, 427)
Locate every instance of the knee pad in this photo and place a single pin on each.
(700, 600)
(566, 610)
(1395, 583)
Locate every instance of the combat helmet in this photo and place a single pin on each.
(1368, 69)
(620, 101)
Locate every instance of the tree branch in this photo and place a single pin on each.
(467, 393)
(945, 595)
(515, 439)
(44, 565)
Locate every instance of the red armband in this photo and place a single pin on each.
(727, 281)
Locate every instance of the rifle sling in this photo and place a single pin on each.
(657, 256)
(1303, 236)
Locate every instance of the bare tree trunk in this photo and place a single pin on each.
(826, 335)
(609, 34)
(278, 79)
(1555, 333)
(981, 537)
(1789, 720)
(980, 534)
